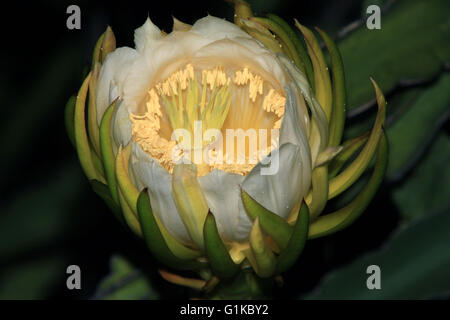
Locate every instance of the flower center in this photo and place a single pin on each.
(200, 113)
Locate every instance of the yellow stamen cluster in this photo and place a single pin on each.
(255, 82)
(181, 99)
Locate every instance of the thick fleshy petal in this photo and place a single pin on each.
(222, 193)
(146, 35)
(112, 76)
(214, 28)
(148, 173)
(281, 191)
(121, 125)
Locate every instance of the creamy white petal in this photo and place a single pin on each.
(146, 35)
(282, 191)
(121, 124)
(111, 77)
(214, 28)
(150, 174)
(244, 52)
(222, 193)
(318, 115)
(180, 26)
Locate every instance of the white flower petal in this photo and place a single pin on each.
(150, 174)
(214, 28)
(121, 124)
(222, 193)
(282, 191)
(111, 77)
(146, 35)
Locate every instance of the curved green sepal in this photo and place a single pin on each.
(321, 75)
(103, 192)
(273, 225)
(349, 149)
(317, 199)
(106, 148)
(81, 139)
(220, 260)
(340, 219)
(126, 187)
(105, 44)
(337, 120)
(108, 44)
(96, 55)
(300, 48)
(284, 39)
(242, 10)
(129, 215)
(347, 177)
(155, 240)
(262, 34)
(263, 255)
(93, 129)
(69, 113)
(290, 254)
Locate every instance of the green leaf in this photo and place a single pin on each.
(414, 265)
(412, 132)
(412, 44)
(125, 282)
(427, 188)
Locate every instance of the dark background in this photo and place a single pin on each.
(49, 216)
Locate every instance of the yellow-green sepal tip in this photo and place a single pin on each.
(297, 242)
(216, 251)
(272, 224)
(340, 219)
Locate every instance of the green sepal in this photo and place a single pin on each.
(290, 254)
(105, 44)
(69, 112)
(337, 119)
(347, 177)
(272, 224)
(129, 215)
(322, 80)
(106, 148)
(83, 146)
(262, 34)
(154, 238)
(286, 42)
(103, 192)
(96, 55)
(263, 256)
(340, 219)
(317, 199)
(124, 183)
(92, 125)
(300, 48)
(350, 147)
(220, 260)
